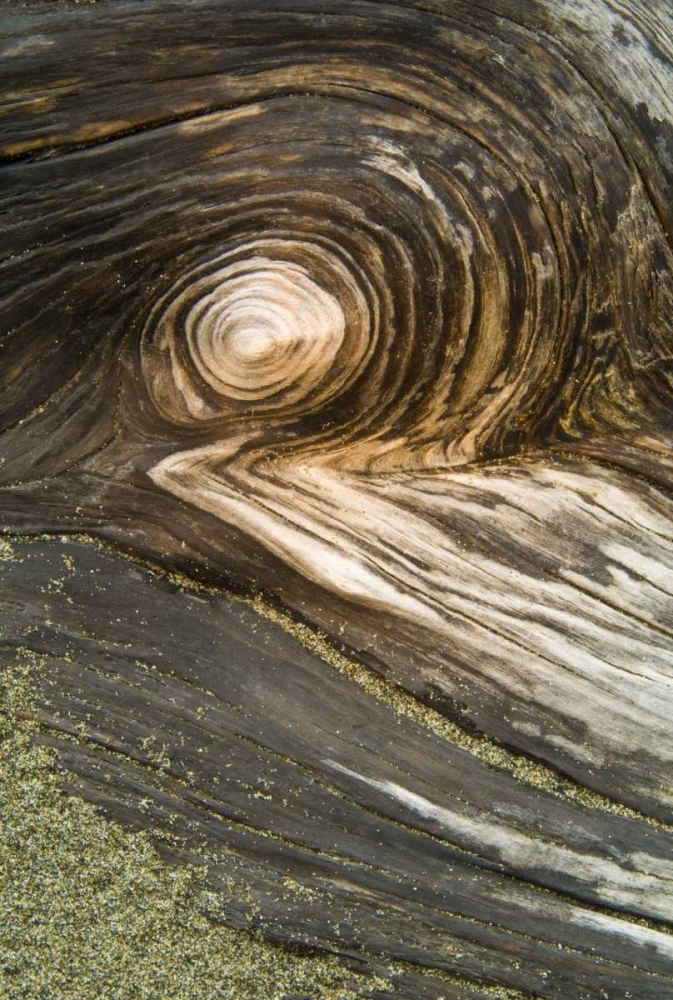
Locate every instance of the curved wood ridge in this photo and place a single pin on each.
(366, 306)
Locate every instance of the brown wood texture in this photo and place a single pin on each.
(335, 452)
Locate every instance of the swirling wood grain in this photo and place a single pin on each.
(369, 306)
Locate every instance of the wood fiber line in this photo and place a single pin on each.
(404, 845)
(366, 308)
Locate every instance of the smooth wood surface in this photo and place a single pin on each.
(364, 308)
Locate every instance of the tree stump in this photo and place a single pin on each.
(336, 463)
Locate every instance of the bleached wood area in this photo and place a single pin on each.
(335, 450)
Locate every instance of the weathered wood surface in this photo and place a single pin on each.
(367, 307)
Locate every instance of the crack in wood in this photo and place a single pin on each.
(336, 470)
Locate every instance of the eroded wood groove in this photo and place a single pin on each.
(347, 334)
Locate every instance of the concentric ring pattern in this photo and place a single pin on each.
(382, 296)
(366, 308)
(453, 263)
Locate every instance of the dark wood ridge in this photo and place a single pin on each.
(365, 309)
(180, 711)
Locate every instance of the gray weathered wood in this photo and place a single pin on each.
(365, 306)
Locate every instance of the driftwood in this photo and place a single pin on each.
(363, 309)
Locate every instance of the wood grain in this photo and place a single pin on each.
(367, 309)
